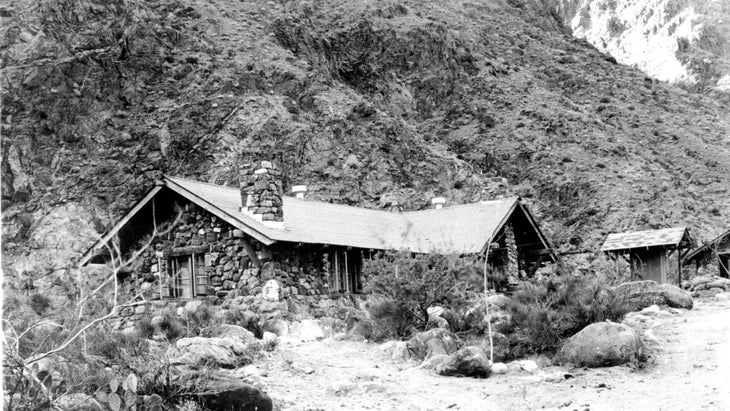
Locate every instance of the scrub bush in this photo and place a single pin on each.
(543, 315)
(410, 284)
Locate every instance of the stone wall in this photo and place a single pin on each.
(229, 270)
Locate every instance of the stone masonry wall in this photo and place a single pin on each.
(229, 270)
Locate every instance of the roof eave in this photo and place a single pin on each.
(235, 221)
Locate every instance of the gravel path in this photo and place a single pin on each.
(689, 369)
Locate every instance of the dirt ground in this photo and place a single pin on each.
(689, 369)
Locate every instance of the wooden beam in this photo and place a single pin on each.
(118, 226)
(540, 252)
(679, 269)
(535, 266)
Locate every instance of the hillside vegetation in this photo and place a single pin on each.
(374, 103)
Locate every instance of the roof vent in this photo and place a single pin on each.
(438, 202)
(299, 191)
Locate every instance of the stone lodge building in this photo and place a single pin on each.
(193, 239)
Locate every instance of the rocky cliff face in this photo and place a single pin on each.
(679, 41)
(380, 104)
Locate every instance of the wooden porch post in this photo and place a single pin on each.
(679, 267)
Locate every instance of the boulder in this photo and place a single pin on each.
(434, 361)
(476, 318)
(697, 281)
(719, 282)
(276, 326)
(641, 294)
(198, 351)
(434, 341)
(217, 391)
(306, 330)
(439, 322)
(469, 361)
(602, 344)
(435, 311)
(233, 331)
(499, 368)
(400, 352)
(157, 320)
(522, 365)
(269, 337)
(676, 297)
(271, 291)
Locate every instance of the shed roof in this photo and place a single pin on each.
(641, 239)
(457, 229)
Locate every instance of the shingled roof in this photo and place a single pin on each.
(460, 229)
(642, 239)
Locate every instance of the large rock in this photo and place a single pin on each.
(233, 331)
(198, 351)
(467, 362)
(476, 318)
(676, 297)
(641, 294)
(434, 341)
(306, 330)
(271, 291)
(276, 326)
(602, 344)
(217, 391)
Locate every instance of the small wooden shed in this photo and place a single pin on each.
(649, 252)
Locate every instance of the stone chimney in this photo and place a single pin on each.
(438, 202)
(261, 192)
(299, 191)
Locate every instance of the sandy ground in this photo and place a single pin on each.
(689, 369)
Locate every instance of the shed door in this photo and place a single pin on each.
(649, 265)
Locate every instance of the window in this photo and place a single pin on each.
(186, 276)
(345, 271)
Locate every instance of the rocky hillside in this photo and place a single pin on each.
(680, 41)
(377, 103)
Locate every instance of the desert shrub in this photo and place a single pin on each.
(144, 327)
(410, 284)
(39, 303)
(171, 326)
(115, 346)
(392, 320)
(200, 321)
(246, 319)
(543, 315)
